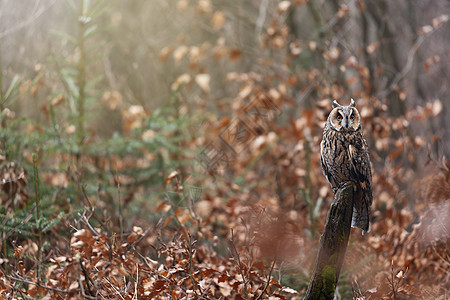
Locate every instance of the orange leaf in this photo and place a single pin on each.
(171, 177)
(235, 54)
(167, 221)
(218, 20)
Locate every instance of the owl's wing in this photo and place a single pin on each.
(361, 165)
(323, 163)
(361, 171)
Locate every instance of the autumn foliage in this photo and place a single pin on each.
(216, 191)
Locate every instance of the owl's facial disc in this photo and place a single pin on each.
(345, 118)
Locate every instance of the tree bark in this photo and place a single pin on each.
(333, 244)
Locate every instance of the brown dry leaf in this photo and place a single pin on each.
(38, 67)
(167, 221)
(163, 206)
(194, 54)
(133, 117)
(84, 235)
(71, 129)
(235, 54)
(420, 141)
(343, 10)
(352, 61)
(204, 6)
(148, 135)
(283, 6)
(32, 290)
(182, 5)
(362, 5)
(372, 47)
(123, 272)
(59, 179)
(287, 290)
(182, 79)
(138, 230)
(218, 20)
(113, 99)
(312, 45)
(24, 87)
(245, 91)
(278, 41)
(9, 113)
(180, 53)
(203, 81)
(165, 52)
(73, 286)
(430, 62)
(333, 53)
(171, 177)
(58, 100)
(425, 29)
(295, 48)
(33, 90)
(436, 107)
(225, 288)
(132, 237)
(439, 20)
(204, 208)
(18, 251)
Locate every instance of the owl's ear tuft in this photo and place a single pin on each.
(352, 102)
(335, 104)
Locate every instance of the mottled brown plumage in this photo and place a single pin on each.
(345, 159)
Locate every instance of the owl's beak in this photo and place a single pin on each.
(345, 123)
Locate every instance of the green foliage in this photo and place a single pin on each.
(157, 141)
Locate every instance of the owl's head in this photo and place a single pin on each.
(344, 118)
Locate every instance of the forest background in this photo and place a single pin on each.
(171, 148)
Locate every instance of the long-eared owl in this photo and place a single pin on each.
(344, 158)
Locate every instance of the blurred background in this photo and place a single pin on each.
(126, 104)
(140, 49)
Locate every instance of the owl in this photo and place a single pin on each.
(344, 158)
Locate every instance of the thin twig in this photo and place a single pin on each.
(88, 279)
(234, 253)
(268, 281)
(191, 253)
(261, 17)
(409, 62)
(114, 288)
(120, 210)
(31, 19)
(133, 244)
(36, 284)
(38, 214)
(136, 283)
(86, 222)
(17, 228)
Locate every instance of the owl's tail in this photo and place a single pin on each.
(361, 221)
(360, 218)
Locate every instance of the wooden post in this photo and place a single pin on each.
(333, 244)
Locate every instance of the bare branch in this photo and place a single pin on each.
(28, 21)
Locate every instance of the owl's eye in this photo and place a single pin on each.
(339, 117)
(352, 117)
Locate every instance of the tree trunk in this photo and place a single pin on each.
(333, 244)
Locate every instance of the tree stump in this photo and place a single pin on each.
(333, 244)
